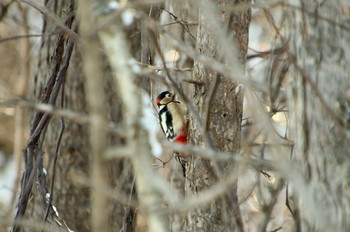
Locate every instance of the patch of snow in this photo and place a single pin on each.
(128, 17)
(113, 5)
(134, 66)
(239, 88)
(7, 179)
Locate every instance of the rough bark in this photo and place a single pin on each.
(318, 102)
(220, 107)
(69, 167)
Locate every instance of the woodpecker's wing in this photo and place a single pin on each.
(166, 122)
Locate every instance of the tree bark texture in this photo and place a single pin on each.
(318, 101)
(67, 159)
(220, 108)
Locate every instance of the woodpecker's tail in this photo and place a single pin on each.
(182, 162)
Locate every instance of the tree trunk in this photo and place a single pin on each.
(319, 106)
(67, 159)
(219, 103)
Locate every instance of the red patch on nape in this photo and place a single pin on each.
(158, 101)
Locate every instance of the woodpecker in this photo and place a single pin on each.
(172, 119)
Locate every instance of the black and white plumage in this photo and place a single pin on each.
(171, 115)
(172, 119)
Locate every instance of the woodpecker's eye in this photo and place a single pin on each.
(168, 95)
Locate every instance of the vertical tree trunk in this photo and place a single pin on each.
(219, 103)
(67, 159)
(319, 99)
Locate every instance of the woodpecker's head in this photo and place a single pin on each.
(165, 97)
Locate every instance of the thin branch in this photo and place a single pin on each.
(43, 10)
(185, 25)
(268, 53)
(194, 82)
(17, 37)
(75, 117)
(324, 18)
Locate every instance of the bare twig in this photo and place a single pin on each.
(324, 18)
(17, 37)
(185, 25)
(190, 81)
(42, 9)
(75, 117)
